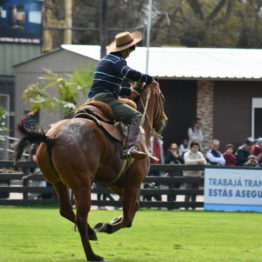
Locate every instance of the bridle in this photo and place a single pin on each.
(145, 106)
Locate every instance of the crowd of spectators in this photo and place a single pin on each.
(190, 152)
(247, 154)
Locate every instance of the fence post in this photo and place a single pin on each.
(25, 182)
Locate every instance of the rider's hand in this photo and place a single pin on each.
(155, 84)
(134, 93)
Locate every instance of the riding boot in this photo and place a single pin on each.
(130, 150)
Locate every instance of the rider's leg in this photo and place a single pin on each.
(130, 150)
(129, 116)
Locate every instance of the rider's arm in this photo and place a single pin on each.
(126, 72)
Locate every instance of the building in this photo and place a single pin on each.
(221, 86)
(60, 61)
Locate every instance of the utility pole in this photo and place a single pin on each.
(149, 15)
(68, 22)
(103, 27)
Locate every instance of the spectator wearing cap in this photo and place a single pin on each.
(229, 156)
(252, 161)
(257, 150)
(243, 152)
(214, 156)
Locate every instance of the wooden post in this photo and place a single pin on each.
(103, 27)
(68, 22)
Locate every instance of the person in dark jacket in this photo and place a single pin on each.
(106, 87)
(173, 157)
(243, 152)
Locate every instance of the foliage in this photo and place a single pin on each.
(201, 23)
(55, 91)
(41, 234)
(3, 116)
(204, 23)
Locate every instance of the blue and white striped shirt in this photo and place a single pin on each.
(109, 74)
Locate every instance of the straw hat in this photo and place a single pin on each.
(124, 40)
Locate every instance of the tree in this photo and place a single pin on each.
(67, 89)
(205, 23)
(198, 23)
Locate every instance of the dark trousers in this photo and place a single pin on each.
(122, 111)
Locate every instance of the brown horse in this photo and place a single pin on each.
(74, 153)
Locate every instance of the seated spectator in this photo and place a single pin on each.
(243, 152)
(214, 156)
(183, 148)
(172, 157)
(252, 161)
(193, 157)
(229, 156)
(257, 150)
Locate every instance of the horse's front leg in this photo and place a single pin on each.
(130, 206)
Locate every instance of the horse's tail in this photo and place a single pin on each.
(32, 137)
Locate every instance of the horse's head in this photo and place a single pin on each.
(151, 104)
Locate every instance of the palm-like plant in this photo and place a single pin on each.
(3, 116)
(67, 88)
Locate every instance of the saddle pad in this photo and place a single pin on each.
(108, 126)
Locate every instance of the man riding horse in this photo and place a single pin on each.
(106, 87)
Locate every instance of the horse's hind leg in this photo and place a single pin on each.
(83, 203)
(66, 209)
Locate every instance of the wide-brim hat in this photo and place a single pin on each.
(124, 40)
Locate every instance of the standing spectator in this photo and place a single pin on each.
(183, 148)
(252, 161)
(156, 149)
(257, 150)
(195, 133)
(243, 152)
(157, 157)
(193, 157)
(214, 156)
(172, 157)
(29, 120)
(229, 156)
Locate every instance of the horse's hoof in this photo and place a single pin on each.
(100, 227)
(97, 258)
(93, 237)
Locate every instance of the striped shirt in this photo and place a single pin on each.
(111, 70)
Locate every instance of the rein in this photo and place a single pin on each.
(144, 116)
(145, 109)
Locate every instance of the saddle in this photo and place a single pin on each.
(103, 116)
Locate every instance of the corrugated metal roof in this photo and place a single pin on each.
(11, 54)
(194, 63)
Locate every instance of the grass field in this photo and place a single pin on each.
(41, 235)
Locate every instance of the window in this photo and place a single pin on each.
(257, 117)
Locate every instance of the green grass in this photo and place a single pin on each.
(41, 235)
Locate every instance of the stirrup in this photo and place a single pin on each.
(132, 152)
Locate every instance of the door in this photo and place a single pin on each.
(257, 117)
